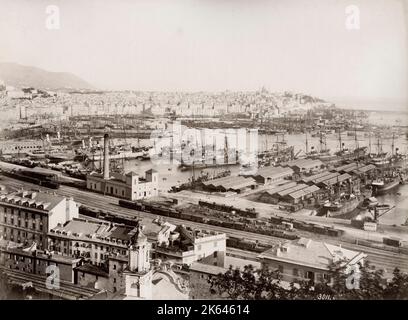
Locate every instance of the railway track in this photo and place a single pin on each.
(381, 259)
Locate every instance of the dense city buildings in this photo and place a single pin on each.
(28, 216)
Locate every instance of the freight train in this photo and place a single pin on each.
(311, 227)
(104, 215)
(231, 241)
(249, 213)
(237, 225)
(47, 180)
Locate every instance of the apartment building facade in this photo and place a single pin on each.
(27, 216)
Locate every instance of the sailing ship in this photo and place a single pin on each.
(350, 154)
(273, 154)
(210, 159)
(322, 152)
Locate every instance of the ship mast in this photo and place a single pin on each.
(226, 149)
(392, 145)
(369, 142)
(321, 141)
(341, 145)
(307, 144)
(355, 131)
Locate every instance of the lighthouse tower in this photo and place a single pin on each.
(138, 276)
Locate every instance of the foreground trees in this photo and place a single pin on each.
(362, 284)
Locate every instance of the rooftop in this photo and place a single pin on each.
(231, 182)
(337, 179)
(95, 270)
(364, 169)
(347, 167)
(38, 200)
(315, 176)
(199, 233)
(285, 192)
(311, 253)
(270, 171)
(120, 232)
(303, 192)
(281, 187)
(304, 163)
(206, 268)
(77, 226)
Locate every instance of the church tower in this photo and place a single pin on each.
(138, 277)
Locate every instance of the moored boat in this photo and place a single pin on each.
(381, 186)
(342, 206)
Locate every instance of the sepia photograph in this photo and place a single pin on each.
(224, 151)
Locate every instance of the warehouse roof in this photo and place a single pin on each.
(347, 167)
(364, 169)
(293, 189)
(273, 171)
(232, 182)
(337, 179)
(327, 177)
(310, 253)
(303, 192)
(316, 176)
(282, 187)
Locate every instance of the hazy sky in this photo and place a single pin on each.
(197, 45)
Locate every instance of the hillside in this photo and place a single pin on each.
(25, 76)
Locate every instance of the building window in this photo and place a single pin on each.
(280, 267)
(310, 275)
(295, 272)
(114, 267)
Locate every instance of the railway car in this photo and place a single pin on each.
(392, 241)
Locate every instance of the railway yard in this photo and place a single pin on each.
(378, 257)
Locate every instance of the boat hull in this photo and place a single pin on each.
(387, 187)
(346, 208)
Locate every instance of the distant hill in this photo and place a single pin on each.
(25, 76)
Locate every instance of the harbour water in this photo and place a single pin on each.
(399, 199)
(171, 175)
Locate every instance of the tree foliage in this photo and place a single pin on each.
(366, 284)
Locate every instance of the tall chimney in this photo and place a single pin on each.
(106, 156)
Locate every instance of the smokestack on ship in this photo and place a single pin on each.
(106, 156)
